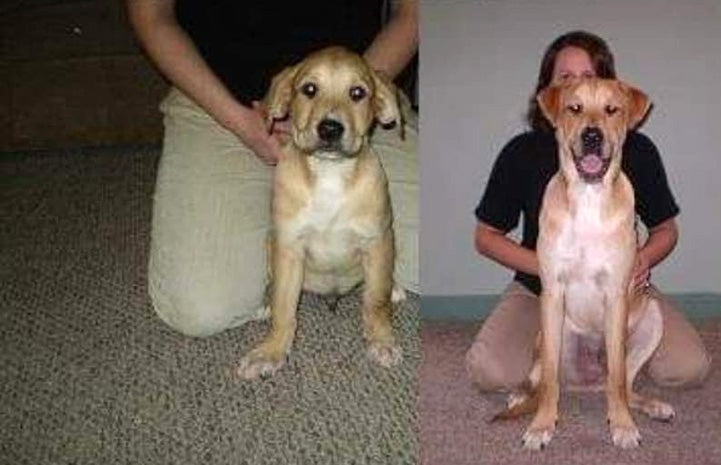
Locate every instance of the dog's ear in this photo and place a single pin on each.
(386, 105)
(277, 99)
(548, 100)
(639, 104)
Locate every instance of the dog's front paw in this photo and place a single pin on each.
(538, 437)
(386, 354)
(259, 363)
(625, 436)
(541, 429)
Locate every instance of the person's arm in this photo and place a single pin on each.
(396, 44)
(501, 207)
(496, 245)
(661, 240)
(176, 56)
(655, 204)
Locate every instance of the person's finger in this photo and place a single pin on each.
(641, 279)
(268, 159)
(282, 127)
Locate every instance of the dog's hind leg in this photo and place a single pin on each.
(377, 308)
(524, 400)
(641, 344)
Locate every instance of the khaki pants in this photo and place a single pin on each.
(211, 216)
(501, 355)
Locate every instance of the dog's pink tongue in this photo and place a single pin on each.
(591, 163)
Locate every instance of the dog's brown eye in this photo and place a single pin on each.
(611, 110)
(357, 93)
(309, 89)
(575, 108)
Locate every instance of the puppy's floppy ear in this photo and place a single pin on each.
(638, 105)
(277, 99)
(548, 100)
(386, 102)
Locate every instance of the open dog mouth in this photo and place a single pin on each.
(591, 166)
(591, 163)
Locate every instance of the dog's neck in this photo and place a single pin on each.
(323, 164)
(332, 165)
(595, 196)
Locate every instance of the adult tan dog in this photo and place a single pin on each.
(332, 222)
(586, 250)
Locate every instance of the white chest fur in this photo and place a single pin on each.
(329, 193)
(589, 255)
(326, 228)
(581, 242)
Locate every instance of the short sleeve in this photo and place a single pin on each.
(500, 205)
(655, 202)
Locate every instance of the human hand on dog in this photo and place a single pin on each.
(641, 273)
(266, 146)
(280, 129)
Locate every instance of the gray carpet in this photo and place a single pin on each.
(89, 375)
(454, 415)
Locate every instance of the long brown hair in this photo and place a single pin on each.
(601, 59)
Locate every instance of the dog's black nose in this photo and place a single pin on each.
(592, 137)
(330, 130)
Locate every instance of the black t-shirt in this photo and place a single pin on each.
(526, 164)
(246, 42)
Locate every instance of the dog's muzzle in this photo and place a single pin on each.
(331, 143)
(330, 131)
(591, 163)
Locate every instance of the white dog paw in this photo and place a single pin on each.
(654, 408)
(261, 313)
(398, 294)
(625, 437)
(537, 438)
(661, 411)
(515, 398)
(385, 354)
(258, 364)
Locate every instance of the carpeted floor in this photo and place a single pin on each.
(454, 428)
(89, 375)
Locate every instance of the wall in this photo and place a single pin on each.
(71, 74)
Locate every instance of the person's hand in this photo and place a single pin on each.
(281, 128)
(255, 134)
(641, 274)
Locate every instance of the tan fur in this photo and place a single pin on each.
(586, 250)
(332, 222)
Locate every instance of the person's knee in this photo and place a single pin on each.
(190, 318)
(485, 370)
(406, 261)
(198, 314)
(691, 373)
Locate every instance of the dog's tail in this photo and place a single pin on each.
(519, 404)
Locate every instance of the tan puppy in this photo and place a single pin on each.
(586, 249)
(332, 222)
